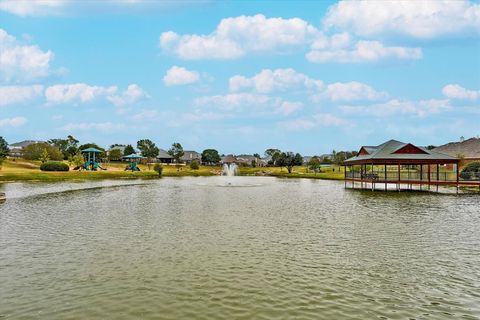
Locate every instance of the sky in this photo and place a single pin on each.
(240, 76)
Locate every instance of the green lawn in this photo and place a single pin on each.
(23, 170)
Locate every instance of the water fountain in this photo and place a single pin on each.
(229, 170)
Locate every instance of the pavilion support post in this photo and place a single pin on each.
(385, 174)
(429, 176)
(421, 176)
(438, 174)
(457, 173)
(398, 183)
(373, 179)
(361, 176)
(345, 175)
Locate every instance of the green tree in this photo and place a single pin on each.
(44, 157)
(210, 156)
(289, 160)
(115, 155)
(270, 152)
(101, 155)
(128, 150)
(76, 160)
(34, 151)
(314, 164)
(148, 149)
(176, 151)
(3, 150)
(274, 158)
(67, 146)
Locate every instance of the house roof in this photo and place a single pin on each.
(229, 158)
(24, 143)
(119, 147)
(162, 154)
(190, 155)
(469, 148)
(394, 151)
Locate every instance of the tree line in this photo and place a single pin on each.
(69, 148)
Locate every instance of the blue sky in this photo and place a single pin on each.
(240, 76)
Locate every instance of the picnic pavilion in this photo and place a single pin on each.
(394, 164)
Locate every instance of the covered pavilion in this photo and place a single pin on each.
(397, 163)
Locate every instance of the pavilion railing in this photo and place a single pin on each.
(410, 175)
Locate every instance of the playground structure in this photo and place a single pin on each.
(133, 165)
(91, 163)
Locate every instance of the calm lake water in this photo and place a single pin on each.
(244, 248)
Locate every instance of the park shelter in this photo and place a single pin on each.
(402, 164)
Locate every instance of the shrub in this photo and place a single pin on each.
(54, 166)
(158, 168)
(470, 170)
(194, 165)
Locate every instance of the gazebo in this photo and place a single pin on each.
(397, 163)
(133, 158)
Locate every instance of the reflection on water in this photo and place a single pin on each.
(264, 248)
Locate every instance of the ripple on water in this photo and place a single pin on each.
(198, 248)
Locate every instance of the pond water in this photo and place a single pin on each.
(236, 248)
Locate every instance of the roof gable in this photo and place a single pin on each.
(363, 151)
(409, 149)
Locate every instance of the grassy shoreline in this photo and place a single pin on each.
(22, 170)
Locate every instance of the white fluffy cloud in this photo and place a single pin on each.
(19, 94)
(287, 107)
(176, 76)
(249, 103)
(361, 51)
(418, 19)
(35, 8)
(236, 101)
(12, 122)
(25, 8)
(84, 93)
(22, 62)
(269, 80)
(420, 108)
(455, 91)
(128, 97)
(78, 92)
(105, 127)
(317, 120)
(234, 37)
(350, 91)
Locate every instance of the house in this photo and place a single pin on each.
(243, 159)
(229, 158)
(468, 149)
(16, 149)
(164, 157)
(190, 156)
(246, 159)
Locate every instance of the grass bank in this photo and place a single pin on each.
(23, 170)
